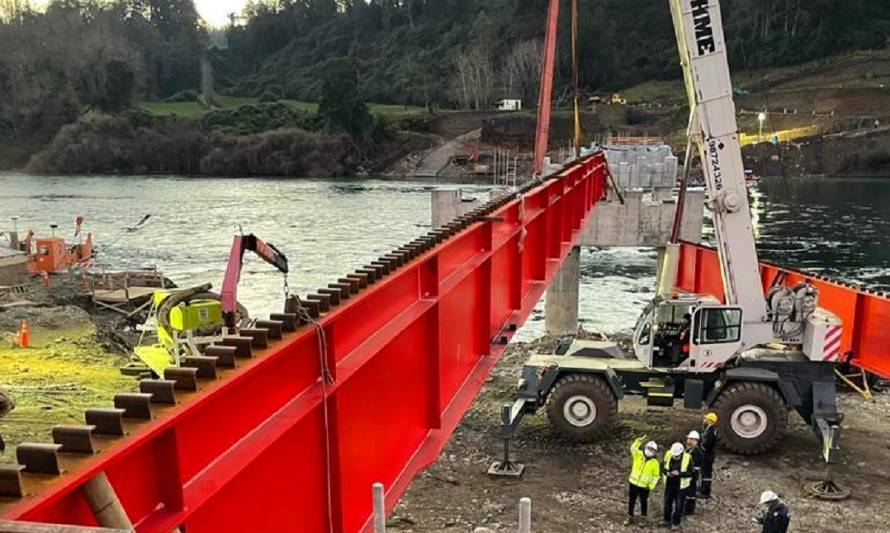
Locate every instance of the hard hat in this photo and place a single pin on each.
(694, 435)
(711, 417)
(651, 445)
(677, 449)
(768, 496)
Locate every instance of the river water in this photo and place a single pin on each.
(839, 227)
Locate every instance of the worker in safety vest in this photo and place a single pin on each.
(644, 473)
(709, 451)
(777, 516)
(677, 471)
(694, 451)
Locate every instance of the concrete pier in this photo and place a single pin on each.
(450, 204)
(643, 220)
(561, 304)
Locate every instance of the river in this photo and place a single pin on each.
(839, 227)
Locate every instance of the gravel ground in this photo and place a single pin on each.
(578, 488)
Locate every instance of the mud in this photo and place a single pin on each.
(582, 488)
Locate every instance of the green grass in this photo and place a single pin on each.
(193, 110)
(181, 109)
(656, 92)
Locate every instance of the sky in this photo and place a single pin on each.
(216, 12)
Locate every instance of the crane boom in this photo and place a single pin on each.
(713, 128)
(240, 244)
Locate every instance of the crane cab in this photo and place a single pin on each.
(687, 333)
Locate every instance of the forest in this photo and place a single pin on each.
(75, 57)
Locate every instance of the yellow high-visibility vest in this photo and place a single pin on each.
(684, 467)
(644, 472)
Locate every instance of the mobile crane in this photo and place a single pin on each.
(750, 358)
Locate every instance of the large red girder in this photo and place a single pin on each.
(270, 446)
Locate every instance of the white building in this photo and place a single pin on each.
(509, 105)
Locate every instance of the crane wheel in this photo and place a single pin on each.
(753, 417)
(581, 407)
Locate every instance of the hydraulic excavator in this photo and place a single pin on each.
(185, 320)
(751, 357)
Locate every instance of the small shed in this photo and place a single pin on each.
(509, 104)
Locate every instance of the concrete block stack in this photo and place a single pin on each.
(643, 166)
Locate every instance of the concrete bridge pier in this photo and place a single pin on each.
(561, 303)
(450, 204)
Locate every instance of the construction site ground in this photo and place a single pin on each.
(582, 488)
(69, 367)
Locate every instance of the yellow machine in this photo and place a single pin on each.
(179, 323)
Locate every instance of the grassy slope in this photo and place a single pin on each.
(54, 381)
(193, 110)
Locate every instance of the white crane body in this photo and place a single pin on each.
(751, 355)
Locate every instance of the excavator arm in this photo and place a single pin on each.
(243, 243)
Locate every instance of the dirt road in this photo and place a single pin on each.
(582, 488)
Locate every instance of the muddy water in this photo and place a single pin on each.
(840, 227)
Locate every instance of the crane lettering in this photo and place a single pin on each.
(714, 162)
(704, 33)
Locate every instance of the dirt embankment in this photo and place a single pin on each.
(582, 488)
(861, 152)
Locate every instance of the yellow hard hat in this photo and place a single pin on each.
(711, 417)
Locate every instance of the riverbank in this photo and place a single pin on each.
(253, 140)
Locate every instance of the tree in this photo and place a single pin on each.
(120, 83)
(475, 77)
(342, 107)
(522, 70)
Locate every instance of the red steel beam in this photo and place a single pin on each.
(272, 447)
(545, 96)
(865, 313)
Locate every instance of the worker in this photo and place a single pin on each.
(695, 452)
(644, 473)
(709, 453)
(677, 471)
(777, 516)
(680, 345)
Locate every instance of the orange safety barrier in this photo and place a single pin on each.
(865, 313)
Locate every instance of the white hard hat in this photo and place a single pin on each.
(677, 449)
(768, 496)
(651, 445)
(694, 435)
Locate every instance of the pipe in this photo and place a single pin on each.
(379, 508)
(104, 503)
(525, 515)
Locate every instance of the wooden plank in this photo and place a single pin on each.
(8, 526)
(120, 296)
